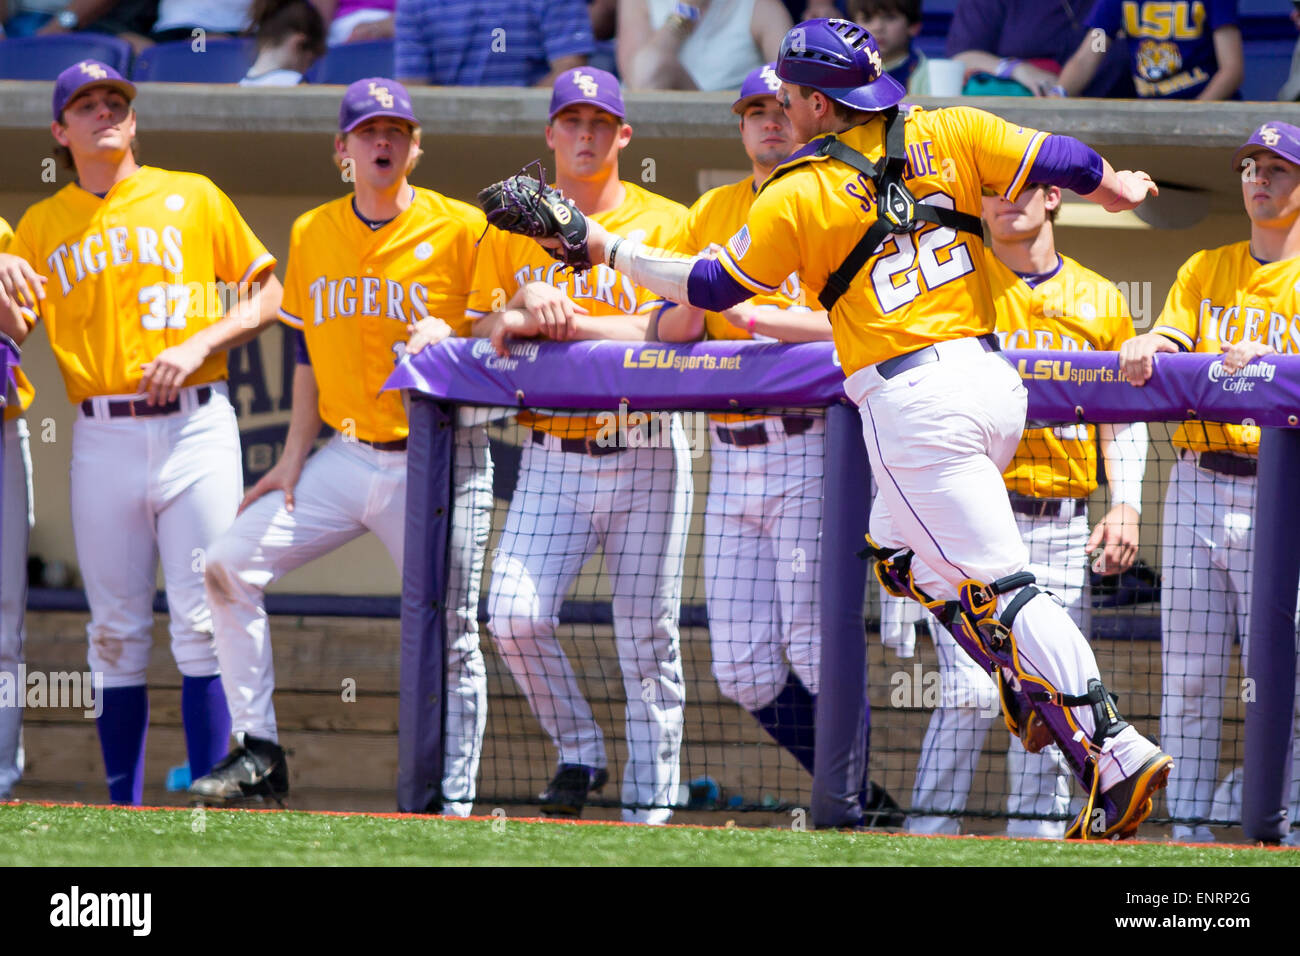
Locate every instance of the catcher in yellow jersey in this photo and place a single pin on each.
(582, 484)
(129, 268)
(1240, 300)
(762, 523)
(1044, 300)
(371, 276)
(16, 519)
(890, 250)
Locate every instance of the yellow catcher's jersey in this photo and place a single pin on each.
(1221, 297)
(352, 290)
(714, 218)
(1074, 310)
(21, 400)
(918, 289)
(134, 273)
(506, 263)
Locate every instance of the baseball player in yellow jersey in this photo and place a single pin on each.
(890, 251)
(580, 488)
(365, 273)
(128, 268)
(1044, 300)
(16, 519)
(763, 517)
(1239, 300)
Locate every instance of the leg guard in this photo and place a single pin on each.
(1034, 710)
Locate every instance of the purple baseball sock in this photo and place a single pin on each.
(790, 720)
(123, 728)
(207, 722)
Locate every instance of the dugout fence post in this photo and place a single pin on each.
(421, 684)
(1266, 780)
(843, 713)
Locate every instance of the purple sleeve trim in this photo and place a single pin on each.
(300, 349)
(711, 287)
(1064, 161)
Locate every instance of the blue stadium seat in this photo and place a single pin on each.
(223, 60)
(1267, 65)
(45, 57)
(932, 47)
(354, 61)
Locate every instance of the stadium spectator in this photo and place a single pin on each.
(130, 19)
(290, 38)
(178, 19)
(1290, 91)
(1182, 56)
(701, 45)
(490, 43)
(1014, 47)
(895, 24)
(354, 21)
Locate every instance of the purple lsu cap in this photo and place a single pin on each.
(586, 84)
(841, 60)
(1280, 138)
(761, 81)
(371, 97)
(85, 74)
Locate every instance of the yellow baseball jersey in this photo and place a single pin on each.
(917, 289)
(714, 218)
(506, 263)
(1221, 297)
(133, 273)
(24, 392)
(352, 290)
(1075, 310)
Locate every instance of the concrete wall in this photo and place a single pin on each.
(270, 151)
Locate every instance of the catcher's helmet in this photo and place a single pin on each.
(840, 59)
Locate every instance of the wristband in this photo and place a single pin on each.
(1006, 66)
(613, 251)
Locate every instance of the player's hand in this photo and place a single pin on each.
(1134, 186)
(283, 476)
(1236, 357)
(1035, 79)
(19, 282)
(165, 376)
(515, 323)
(1117, 536)
(740, 315)
(553, 310)
(428, 331)
(1135, 356)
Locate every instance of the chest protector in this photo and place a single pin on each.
(897, 210)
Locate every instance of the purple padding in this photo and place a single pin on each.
(722, 375)
(424, 586)
(1267, 774)
(841, 749)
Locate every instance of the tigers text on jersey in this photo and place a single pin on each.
(24, 392)
(714, 218)
(352, 290)
(136, 272)
(506, 263)
(917, 289)
(1221, 297)
(1074, 310)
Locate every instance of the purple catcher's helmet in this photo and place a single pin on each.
(840, 59)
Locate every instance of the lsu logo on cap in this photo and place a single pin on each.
(93, 70)
(768, 76)
(877, 64)
(1269, 135)
(381, 95)
(586, 83)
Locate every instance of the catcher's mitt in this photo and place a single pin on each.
(523, 205)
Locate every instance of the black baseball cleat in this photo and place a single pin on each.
(566, 794)
(253, 772)
(879, 809)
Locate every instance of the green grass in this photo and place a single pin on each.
(33, 835)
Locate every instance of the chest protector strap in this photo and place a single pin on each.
(897, 211)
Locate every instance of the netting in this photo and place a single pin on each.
(651, 601)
